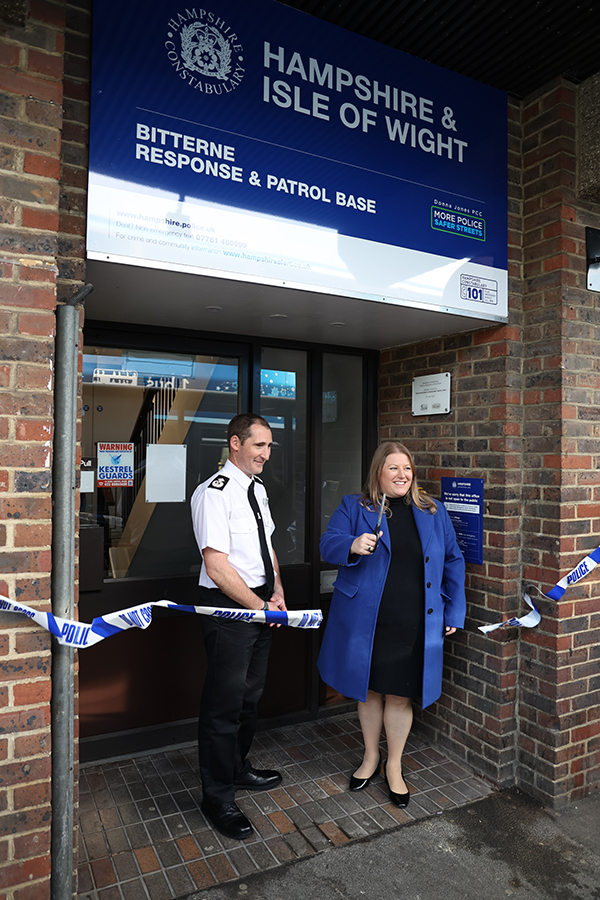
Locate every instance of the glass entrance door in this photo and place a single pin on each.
(154, 426)
(155, 416)
(283, 403)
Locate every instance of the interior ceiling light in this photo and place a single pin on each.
(278, 316)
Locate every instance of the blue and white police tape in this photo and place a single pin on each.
(79, 634)
(531, 619)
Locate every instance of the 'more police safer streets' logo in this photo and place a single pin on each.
(204, 51)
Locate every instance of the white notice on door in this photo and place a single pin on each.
(165, 473)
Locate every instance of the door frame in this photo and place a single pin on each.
(306, 576)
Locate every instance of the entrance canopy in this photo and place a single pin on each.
(140, 295)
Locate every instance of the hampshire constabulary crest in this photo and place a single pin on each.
(205, 51)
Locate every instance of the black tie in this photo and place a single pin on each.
(264, 550)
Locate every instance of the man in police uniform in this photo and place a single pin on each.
(233, 528)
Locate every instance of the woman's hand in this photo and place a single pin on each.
(448, 631)
(364, 544)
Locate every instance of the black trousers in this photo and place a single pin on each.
(237, 654)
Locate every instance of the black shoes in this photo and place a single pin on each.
(359, 784)
(257, 780)
(228, 819)
(400, 800)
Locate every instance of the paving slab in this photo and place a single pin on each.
(504, 845)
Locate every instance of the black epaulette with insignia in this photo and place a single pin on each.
(219, 482)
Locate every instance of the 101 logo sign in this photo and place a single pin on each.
(204, 51)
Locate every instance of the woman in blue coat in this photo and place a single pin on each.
(398, 593)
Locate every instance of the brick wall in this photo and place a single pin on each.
(44, 112)
(523, 706)
(74, 154)
(559, 752)
(31, 65)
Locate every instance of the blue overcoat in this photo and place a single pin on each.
(345, 658)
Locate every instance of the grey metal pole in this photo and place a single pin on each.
(63, 577)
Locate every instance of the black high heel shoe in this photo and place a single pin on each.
(400, 800)
(359, 784)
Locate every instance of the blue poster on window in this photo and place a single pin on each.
(258, 143)
(463, 498)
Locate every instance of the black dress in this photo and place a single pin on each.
(397, 661)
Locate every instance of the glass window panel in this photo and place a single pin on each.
(342, 430)
(283, 405)
(341, 449)
(147, 398)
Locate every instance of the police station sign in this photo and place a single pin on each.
(254, 142)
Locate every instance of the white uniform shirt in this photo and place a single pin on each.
(223, 519)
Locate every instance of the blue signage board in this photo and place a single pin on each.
(255, 142)
(463, 498)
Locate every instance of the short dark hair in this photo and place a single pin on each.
(241, 425)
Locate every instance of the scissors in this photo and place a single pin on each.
(376, 529)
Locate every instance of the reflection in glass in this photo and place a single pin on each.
(342, 430)
(283, 405)
(153, 399)
(341, 459)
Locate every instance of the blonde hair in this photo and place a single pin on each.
(372, 494)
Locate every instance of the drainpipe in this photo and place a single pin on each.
(63, 577)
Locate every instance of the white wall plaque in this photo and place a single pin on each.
(431, 394)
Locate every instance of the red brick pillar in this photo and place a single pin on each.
(31, 65)
(559, 742)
